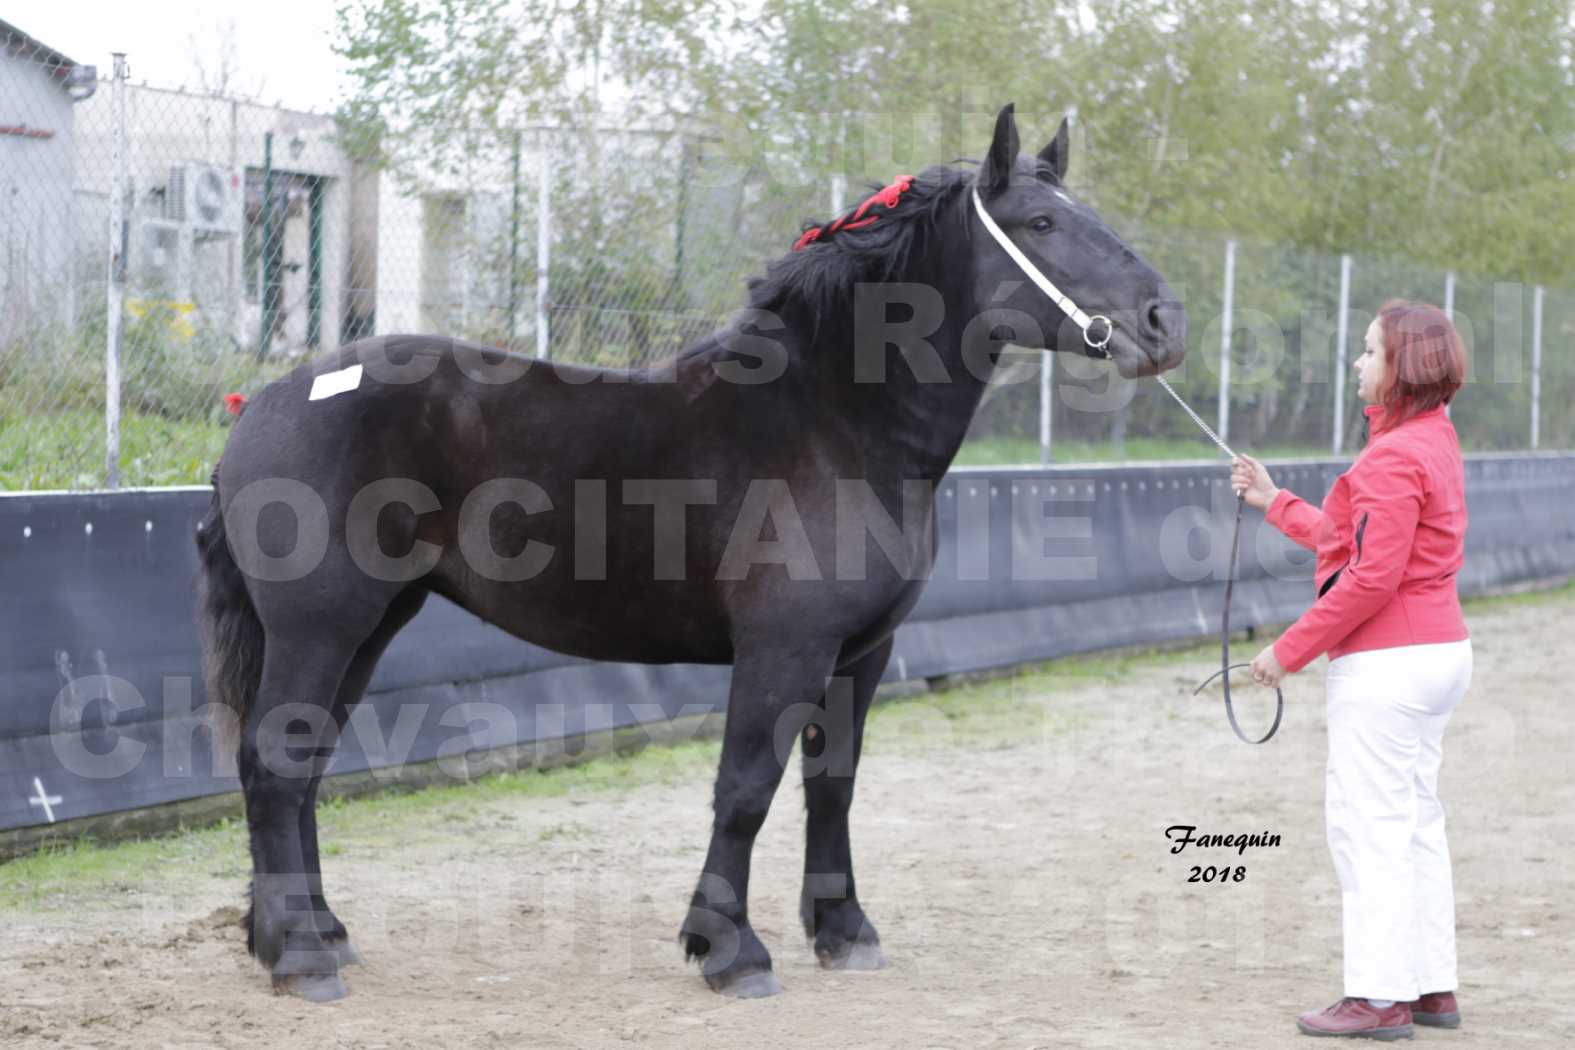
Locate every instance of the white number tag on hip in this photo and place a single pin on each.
(330, 383)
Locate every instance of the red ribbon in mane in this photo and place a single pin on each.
(887, 197)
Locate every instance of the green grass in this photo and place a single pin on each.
(61, 870)
(991, 713)
(65, 450)
(999, 452)
(1542, 596)
(52, 433)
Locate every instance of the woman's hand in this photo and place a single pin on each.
(1266, 669)
(1250, 479)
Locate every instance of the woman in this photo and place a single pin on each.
(1390, 538)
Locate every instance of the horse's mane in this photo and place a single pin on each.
(811, 286)
(818, 281)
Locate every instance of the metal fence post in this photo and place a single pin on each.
(543, 245)
(1449, 309)
(1225, 334)
(514, 237)
(235, 254)
(675, 293)
(117, 279)
(1046, 404)
(265, 257)
(314, 264)
(1340, 334)
(1536, 363)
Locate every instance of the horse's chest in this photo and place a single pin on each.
(889, 593)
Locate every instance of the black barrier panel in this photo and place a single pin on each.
(1037, 564)
(96, 628)
(1026, 538)
(94, 584)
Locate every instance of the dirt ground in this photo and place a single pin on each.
(1021, 882)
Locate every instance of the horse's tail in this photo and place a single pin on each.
(232, 635)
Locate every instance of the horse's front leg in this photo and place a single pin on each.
(842, 934)
(775, 691)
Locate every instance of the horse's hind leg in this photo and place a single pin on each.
(332, 931)
(829, 907)
(279, 757)
(404, 608)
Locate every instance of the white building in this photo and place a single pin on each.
(462, 234)
(444, 244)
(345, 249)
(197, 230)
(39, 86)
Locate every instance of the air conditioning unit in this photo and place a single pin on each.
(161, 260)
(206, 197)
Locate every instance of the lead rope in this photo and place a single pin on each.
(1223, 674)
(1098, 348)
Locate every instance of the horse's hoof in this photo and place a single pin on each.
(858, 956)
(313, 987)
(346, 953)
(758, 984)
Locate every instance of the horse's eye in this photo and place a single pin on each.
(1040, 224)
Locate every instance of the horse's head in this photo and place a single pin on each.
(1099, 276)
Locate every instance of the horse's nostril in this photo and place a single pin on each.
(1166, 318)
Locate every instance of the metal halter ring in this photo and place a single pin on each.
(1098, 344)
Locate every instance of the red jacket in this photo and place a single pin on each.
(1390, 538)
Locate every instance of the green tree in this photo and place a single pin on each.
(1419, 136)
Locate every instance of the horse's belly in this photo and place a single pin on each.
(598, 620)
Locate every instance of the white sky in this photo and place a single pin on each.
(280, 46)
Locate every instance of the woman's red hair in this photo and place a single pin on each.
(1427, 361)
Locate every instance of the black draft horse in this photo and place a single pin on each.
(622, 515)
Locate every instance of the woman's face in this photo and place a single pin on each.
(1372, 371)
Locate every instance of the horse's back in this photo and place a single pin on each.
(445, 412)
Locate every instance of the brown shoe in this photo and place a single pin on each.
(1358, 1018)
(1437, 1009)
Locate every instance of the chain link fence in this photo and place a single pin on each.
(159, 249)
(1283, 384)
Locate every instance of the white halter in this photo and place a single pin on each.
(1068, 307)
(1084, 321)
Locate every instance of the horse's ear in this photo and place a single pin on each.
(996, 172)
(1057, 151)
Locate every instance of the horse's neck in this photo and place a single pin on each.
(926, 422)
(921, 423)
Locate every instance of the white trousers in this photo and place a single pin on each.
(1387, 713)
